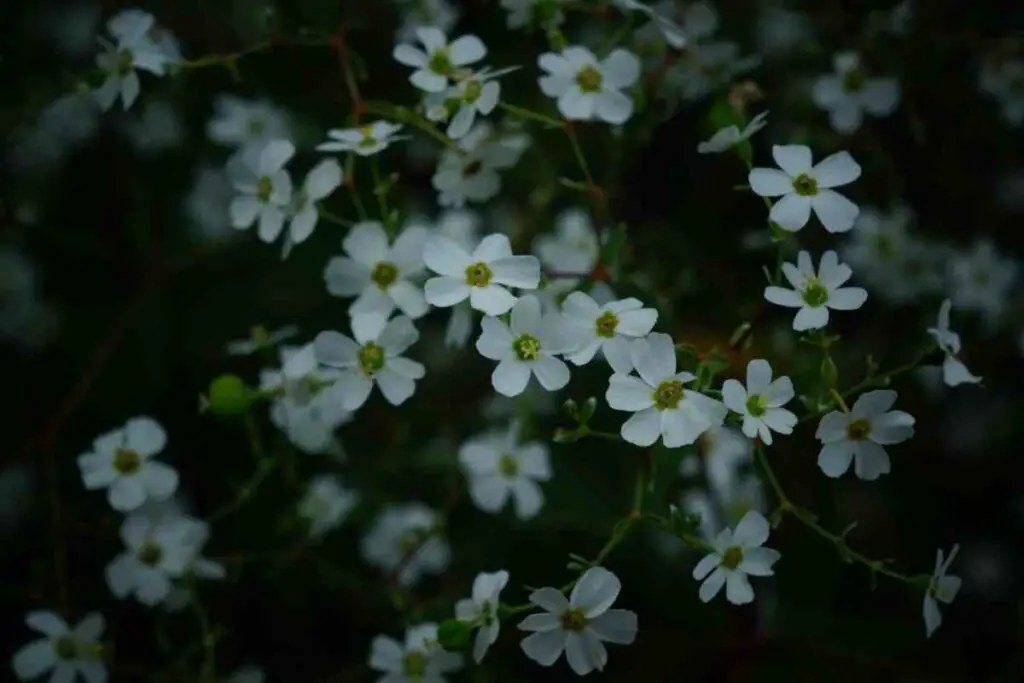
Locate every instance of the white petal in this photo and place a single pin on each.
(955, 373)
(445, 257)
(584, 652)
(274, 156)
(709, 589)
(595, 592)
(244, 210)
(303, 224)
(752, 530)
(495, 340)
(643, 428)
(836, 212)
(881, 95)
(791, 212)
(734, 396)
(870, 461)
(398, 335)
(637, 323)
(832, 427)
(707, 564)
(737, 589)
(847, 298)
(353, 390)
(614, 107)
(759, 561)
(528, 499)
(345, 277)
(466, 50)
(386, 655)
(769, 182)
(620, 69)
(47, 623)
(522, 272)
(783, 297)
(367, 327)
(626, 392)
(271, 223)
(654, 358)
(33, 659)
(932, 615)
(395, 388)
(808, 318)
(892, 427)
(126, 493)
(835, 170)
(550, 599)
(160, 480)
(491, 300)
(428, 81)
(544, 647)
(617, 353)
(577, 105)
(759, 376)
(793, 159)
(834, 458)
(145, 436)
(510, 377)
(334, 348)
(615, 626)
(366, 243)
(873, 403)
(409, 298)
(410, 56)
(526, 316)
(445, 291)
(552, 373)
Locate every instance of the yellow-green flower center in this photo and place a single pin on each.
(478, 275)
(472, 168)
(858, 430)
(473, 91)
(127, 461)
(415, 665)
(440, 62)
(264, 187)
(66, 648)
(815, 294)
(732, 557)
(527, 347)
(150, 553)
(371, 358)
(384, 274)
(409, 542)
(884, 247)
(606, 324)
(574, 620)
(368, 139)
(757, 405)
(254, 127)
(854, 80)
(805, 186)
(507, 466)
(125, 59)
(589, 79)
(668, 394)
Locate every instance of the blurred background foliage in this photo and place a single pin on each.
(137, 303)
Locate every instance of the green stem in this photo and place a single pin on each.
(522, 113)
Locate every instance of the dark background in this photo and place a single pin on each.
(144, 310)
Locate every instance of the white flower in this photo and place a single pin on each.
(158, 548)
(954, 372)
(610, 329)
(527, 345)
(803, 187)
(708, 66)
(848, 93)
(860, 434)
(476, 93)
(462, 227)
(375, 357)
(247, 674)
(308, 405)
(481, 610)
(728, 137)
(419, 660)
(941, 588)
(525, 12)
(780, 30)
(405, 538)
(243, 123)
(981, 279)
(320, 182)
(898, 266)
(63, 650)
(379, 272)
(499, 467)
(158, 128)
(760, 403)
(482, 276)
(440, 60)
(260, 339)
(814, 293)
(737, 555)
(325, 504)
(133, 50)
(473, 174)
(122, 462)
(574, 248)
(419, 13)
(208, 203)
(587, 89)
(578, 625)
(365, 140)
(662, 407)
(264, 186)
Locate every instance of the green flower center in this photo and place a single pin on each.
(264, 187)
(478, 275)
(980, 277)
(858, 430)
(440, 62)
(368, 139)
(668, 394)
(384, 274)
(574, 620)
(371, 358)
(66, 648)
(473, 91)
(409, 542)
(732, 557)
(127, 461)
(125, 59)
(415, 665)
(527, 347)
(589, 79)
(815, 293)
(805, 186)
(757, 405)
(606, 324)
(507, 466)
(472, 168)
(884, 247)
(150, 554)
(255, 127)
(854, 80)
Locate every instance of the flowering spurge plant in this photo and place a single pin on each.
(594, 287)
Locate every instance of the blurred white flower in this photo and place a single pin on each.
(405, 538)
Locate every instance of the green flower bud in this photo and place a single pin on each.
(228, 395)
(453, 635)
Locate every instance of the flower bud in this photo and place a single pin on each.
(453, 635)
(228, 395)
